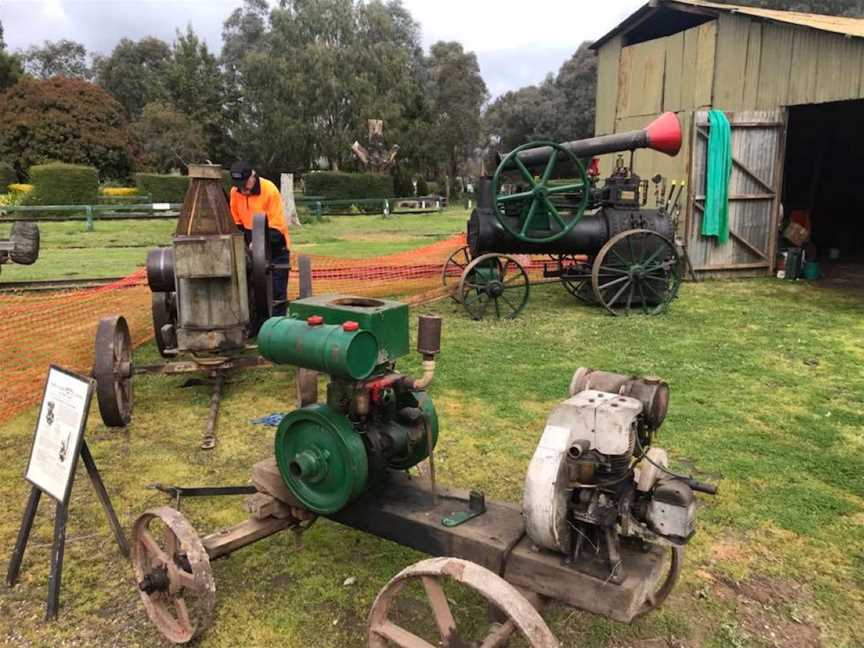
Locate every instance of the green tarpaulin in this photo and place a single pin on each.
(715, 221)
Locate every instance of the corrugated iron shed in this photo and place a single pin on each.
(852, 27)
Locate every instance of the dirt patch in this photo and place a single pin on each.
(728, 551)
(770, 610)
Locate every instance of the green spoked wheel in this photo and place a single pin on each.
(495, 285)
(636, 271)
(541, 212)
(321, 459)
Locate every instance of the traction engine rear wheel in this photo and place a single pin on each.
(453, 267)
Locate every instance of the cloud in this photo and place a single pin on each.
(516, 42)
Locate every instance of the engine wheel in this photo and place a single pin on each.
(576, 277)
(518, 616)
(495, 279)
(636, 270)
(262, 269)
(25, 239)
(655, 598)
(453, 267)
(164, 308)
(173, 572)
(112, 369)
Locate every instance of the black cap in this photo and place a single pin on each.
(240, 172)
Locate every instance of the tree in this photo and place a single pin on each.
(169, 138)
(196, 87)
(61, 58)
(457, 94)
(10, 66)
(66, 120)
(559, 109)
(135, 73)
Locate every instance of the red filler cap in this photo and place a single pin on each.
(315, 320)
(350, 327)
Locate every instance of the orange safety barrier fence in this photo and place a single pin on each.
(60, 327)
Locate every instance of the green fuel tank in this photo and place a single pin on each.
(341, 350)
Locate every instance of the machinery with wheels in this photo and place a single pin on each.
(621, 255)
(22, 246)
(595, 480)
(210, 293)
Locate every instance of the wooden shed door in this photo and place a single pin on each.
(754, 194)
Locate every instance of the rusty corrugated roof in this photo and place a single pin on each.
(836, 24)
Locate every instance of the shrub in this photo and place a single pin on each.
(119, 191)
(432, 189)
(402, 184)
(64, 119)
(334, 185)
(162, 188)
(7, 175)
(422, 187)
(63, 184)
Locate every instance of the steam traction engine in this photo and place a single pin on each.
(210, 292)
(602, 525)
(620, 255)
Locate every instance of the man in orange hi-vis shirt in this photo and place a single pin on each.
(252, 195)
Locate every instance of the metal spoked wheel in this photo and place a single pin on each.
(518, 616)
(112, 369)
(495, 279)
(454, 266)
(636, 270)
(164, 308)
(575, 276)
(666, 584)
(173, 573)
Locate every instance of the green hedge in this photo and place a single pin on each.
(63, 184)
(432, 189)
(162, 188)
(341, 186)
(7, 176)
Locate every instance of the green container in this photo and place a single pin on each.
(812, 271)
(327, 348)
(387, 320)
(321, 459)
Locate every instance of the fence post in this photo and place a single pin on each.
(88, 211)
(386, 208)
(318, 210)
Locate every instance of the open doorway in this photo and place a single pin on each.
(823, 186)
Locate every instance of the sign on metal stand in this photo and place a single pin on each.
(57, 442)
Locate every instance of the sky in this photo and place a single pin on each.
(517, 42)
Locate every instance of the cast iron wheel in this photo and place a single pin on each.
(174, 577)
(160, 269)
(545, 213)
(575, 276)
(497, 279)
(655, 598)
(262, 269)
(112, 369)
(25, 239)
(519, 618)
(164, 308)
(636, 270)
(454, 266)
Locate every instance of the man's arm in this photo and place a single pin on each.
(276, 215)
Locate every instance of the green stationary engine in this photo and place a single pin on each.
(375, 418)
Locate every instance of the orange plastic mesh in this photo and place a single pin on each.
(60, 327)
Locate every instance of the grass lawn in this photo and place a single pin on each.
(117, 248)
(766, 384)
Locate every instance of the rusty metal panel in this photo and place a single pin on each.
(733, 33)
(838, 73)
(751, 71)
(608, 61)
(754, 193)
(641, 78)
(672, 85)
(775, 66)
(805, 57)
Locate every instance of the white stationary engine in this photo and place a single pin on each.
(595, 478)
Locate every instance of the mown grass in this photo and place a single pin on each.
(117, 248)
(766, 384)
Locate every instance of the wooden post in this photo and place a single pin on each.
(287, 191)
